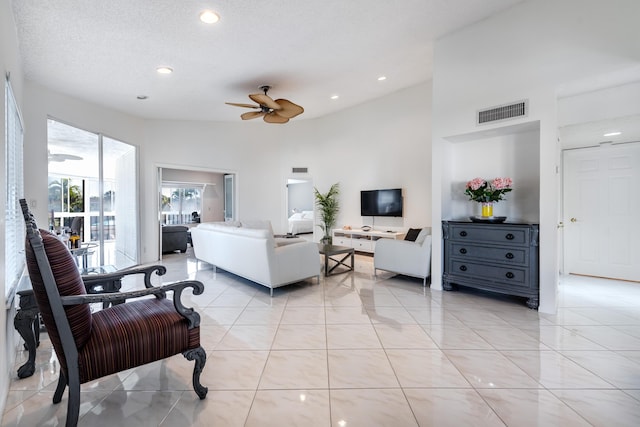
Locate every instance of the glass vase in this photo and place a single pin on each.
(487, 209)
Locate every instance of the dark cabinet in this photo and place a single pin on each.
(493, 257)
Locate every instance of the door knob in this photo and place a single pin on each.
(573, 220)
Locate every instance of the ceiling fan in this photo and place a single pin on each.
(272, 111)
(59, 157)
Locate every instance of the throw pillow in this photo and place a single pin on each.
(412, 234)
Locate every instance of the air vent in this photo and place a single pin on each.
(503, 112)
(300, 170)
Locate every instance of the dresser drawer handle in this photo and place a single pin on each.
(509, 255)
(463, 268)
(510, 236)
(463, 251)
(510, 275)
(463, 233)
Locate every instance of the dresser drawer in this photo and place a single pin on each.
(513, 276)
(363, 245)
(342, 241)
(500, 254)
(489, 234)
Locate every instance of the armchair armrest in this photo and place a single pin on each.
(404, 257)
(158, 291)
(93, 280)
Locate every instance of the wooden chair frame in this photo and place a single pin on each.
(57, 304)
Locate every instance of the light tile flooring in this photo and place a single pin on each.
(355, 351)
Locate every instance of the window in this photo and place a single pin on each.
(181, 203)
(14, 231)
(93, 192)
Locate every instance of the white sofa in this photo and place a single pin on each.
(405, 257)
(250, 250)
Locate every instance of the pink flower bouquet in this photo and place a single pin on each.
(483, 191)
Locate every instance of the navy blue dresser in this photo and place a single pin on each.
(494, 257)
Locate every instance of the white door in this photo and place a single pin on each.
(601, 211)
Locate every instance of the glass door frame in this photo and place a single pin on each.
(129, 258)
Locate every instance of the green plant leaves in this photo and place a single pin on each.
(328, 206)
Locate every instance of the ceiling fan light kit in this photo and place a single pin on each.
(271, 111)
(60, 157)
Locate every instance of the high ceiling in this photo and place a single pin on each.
(107, 52)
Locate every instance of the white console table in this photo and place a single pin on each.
(362, 241)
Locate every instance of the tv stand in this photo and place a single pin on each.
(363, 241)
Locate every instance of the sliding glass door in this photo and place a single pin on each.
(93, 196)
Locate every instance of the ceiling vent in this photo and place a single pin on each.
(503, 112)
(300, 170)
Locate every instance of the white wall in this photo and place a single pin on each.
(247, 149)
(9, 63)
(41, 103)
(381, 144)
(609, 103)
(526, 52)
(515, 155)
(384, 143)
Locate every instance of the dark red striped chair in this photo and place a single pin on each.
(123, 336)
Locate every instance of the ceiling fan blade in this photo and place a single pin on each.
(236, 104)
(265, 100)
(251, 115)
(288, 108)
(275, 118)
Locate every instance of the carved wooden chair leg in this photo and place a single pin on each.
(73, 407)
(200, 357)
(62, 384)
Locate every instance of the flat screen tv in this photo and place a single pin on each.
(381, 202)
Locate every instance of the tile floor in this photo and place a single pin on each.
(355, 351)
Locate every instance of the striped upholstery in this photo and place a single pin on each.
(65, 271)
(116, 338)
(138, 332)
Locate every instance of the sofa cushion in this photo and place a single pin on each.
(412, 234)
(283, 241)
(260, 224)
(219, 225)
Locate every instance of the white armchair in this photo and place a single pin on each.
(405, 257)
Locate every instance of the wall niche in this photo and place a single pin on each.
(508, 151)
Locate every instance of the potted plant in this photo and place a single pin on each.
(328, 207)
(488, 192)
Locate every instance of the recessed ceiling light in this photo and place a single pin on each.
(381, 78)
(164, 70)
(209, 17)
(334, 97)
(612, 134)
(142, 97)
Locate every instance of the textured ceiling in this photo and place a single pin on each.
(106, 52)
